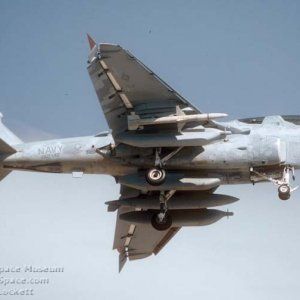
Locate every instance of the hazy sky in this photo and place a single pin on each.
(239, 57)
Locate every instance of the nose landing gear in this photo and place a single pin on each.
(284, 192)
(284, 187)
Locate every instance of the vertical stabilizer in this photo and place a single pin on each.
(6, 135)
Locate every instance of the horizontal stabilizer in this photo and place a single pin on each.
(4, 173)
(5, 148)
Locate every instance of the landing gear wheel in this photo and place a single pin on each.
(156, 176)
(161, 224)
(284, 192)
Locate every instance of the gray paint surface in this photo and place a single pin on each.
(245, 57)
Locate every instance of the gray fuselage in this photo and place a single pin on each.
(266, 146)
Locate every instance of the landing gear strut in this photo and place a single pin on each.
(284, 187)
(162, 220)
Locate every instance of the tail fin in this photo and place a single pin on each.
(7, 140)
(7, 136)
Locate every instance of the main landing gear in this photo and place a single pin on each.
(157, 175)
(284, 187)
(162, 220)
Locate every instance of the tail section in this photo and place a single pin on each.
(3, 173)
(6, 149)
(7, 136)
(7, 140)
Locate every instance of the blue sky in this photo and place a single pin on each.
(231, 56)
(238, 57)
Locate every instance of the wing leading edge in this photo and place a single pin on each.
(125, 86)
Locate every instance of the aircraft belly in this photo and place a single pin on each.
(105, 166)
(212, 157)
(66, 156)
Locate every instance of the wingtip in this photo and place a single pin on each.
(122, 260)
(91, 41)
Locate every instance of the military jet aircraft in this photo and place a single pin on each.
(167, 155)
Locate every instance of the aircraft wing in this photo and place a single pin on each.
(144, 113)
(138, 241)
(125, 86)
